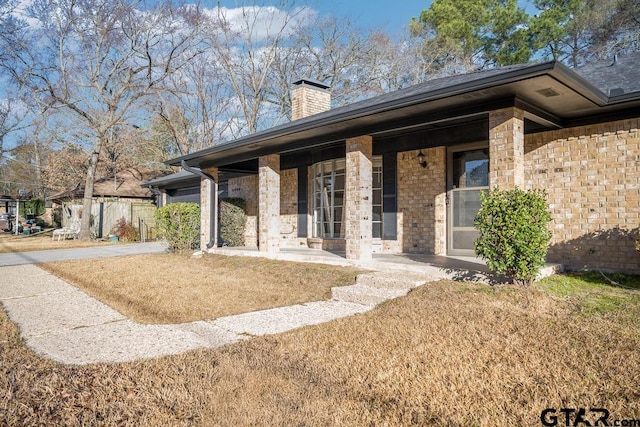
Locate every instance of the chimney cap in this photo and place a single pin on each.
(311, 82)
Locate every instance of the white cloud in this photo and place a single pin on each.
(262, 22)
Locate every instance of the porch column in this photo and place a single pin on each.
(209, 210)
(506, 148)
(269, 203)
(358, 197)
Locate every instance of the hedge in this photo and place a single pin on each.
(232, 221)
(179, 225)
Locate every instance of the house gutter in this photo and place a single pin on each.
(212, 196)
(366, 108)
(401, 99)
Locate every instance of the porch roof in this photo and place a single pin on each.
(552, 95)
(175, 180)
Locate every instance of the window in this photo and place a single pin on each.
(471, 168)
(329, 196)
(377, 199)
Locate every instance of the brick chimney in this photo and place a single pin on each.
(309, 97)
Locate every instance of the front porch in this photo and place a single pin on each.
(385, 193)
(434, 266)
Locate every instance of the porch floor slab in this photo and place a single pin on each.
(467, 268)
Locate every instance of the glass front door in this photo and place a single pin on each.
(468, 177)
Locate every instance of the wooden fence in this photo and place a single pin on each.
(106, 213)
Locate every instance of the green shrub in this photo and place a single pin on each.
(514, 232)
(232, 221)
(179, 225)
(35, 207)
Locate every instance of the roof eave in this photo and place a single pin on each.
(553, 68)
(579, 84)
(626, 97)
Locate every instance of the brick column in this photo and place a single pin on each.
(506, 148)
(437, 160)
(209, 206)
(358, 198)
(269, 203)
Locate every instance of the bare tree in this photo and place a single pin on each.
(355, 64)
(620, 29)
(97, 60)
(326, 49)
(12, 114)
(246, 41)
(196, 109)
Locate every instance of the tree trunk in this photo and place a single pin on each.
(85, 224)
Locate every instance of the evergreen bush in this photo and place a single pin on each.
(514, 233)
(232, 221)
(35, 207)
(179, 225)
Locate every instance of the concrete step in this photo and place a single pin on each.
(366, 295)
(549, 270)
(396, 280)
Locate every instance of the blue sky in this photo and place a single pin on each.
(367, 14)
(393, 16)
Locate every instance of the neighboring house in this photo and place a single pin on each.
(7, 204)
(114, 197)
(402, 172)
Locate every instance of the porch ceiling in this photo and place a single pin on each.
(552, 96)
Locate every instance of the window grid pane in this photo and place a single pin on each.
(328, 198)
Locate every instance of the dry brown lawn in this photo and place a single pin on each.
(41, 242)
(448, 354)
(176, 288)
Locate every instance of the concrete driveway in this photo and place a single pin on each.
(35, 257)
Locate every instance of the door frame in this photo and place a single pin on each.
(449, 195)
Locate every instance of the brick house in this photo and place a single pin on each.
(402, 172)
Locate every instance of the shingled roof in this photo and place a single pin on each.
(127, 184)
(614, 76)
(554, 96)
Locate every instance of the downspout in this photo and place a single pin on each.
(213, 212)
(157, 195)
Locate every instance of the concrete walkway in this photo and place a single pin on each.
(102, 251)
(62, 323)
